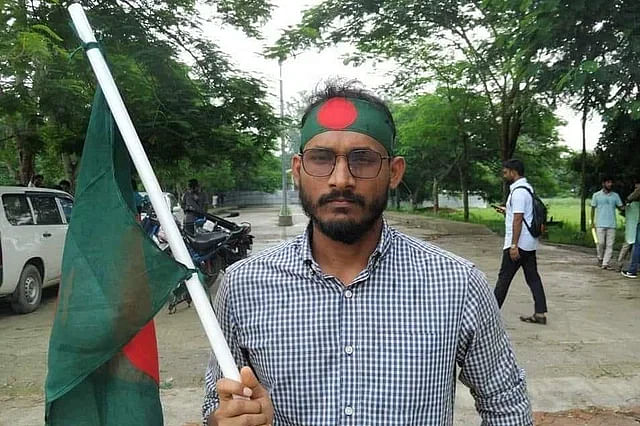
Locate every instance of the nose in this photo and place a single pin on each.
(341, 177)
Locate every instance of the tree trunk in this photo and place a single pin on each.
(583, 178)
(26, 158)
(415, 197)
(436, 200)
(463, 169)
(70, 164)
(509, 133)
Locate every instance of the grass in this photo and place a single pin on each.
(564, 210)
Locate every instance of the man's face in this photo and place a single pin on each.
(607, 184)
(509, 175)
(342, 206)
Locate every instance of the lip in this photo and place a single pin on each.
(340, 203)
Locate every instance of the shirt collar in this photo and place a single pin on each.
(520, 182)
(384, 243)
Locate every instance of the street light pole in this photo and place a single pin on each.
(284, 218)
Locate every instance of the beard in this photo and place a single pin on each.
(346, 231)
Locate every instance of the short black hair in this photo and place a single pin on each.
(340, 88)
(64, 182)
(514, 164)
(193, 183)
(606, 178)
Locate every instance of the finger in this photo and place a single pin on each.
(248, 378)
(254, 419)
(251, 381)
(239, 407)
(227, 388)
(243, 420)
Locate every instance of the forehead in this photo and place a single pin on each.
(344, 141)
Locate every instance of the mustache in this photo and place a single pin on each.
(341, 195)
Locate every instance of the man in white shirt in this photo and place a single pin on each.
(520, 246)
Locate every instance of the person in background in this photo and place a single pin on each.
(603, 219)
(138, 199)
(193, 206)
(65, 185)
(519, 248)
(633, 208)
(37, 181)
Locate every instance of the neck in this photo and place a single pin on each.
(344, 261)
(605, 190)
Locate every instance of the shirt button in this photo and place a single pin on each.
(348, 294)
(348, 411)
(348, 349)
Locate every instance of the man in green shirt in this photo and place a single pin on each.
(632, 216)
(603, 219)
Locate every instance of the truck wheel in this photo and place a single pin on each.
(26, 297)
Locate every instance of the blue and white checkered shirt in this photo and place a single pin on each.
(381, 351)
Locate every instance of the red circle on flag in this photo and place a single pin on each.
(337, 114)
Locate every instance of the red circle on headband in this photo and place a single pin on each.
(337, 114)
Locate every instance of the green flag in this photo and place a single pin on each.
(103, 361)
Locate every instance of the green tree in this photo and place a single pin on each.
(616, 153)
(206, 113)
(417, 34)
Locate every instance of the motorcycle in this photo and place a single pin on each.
(216, 244)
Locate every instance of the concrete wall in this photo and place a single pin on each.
(259, 198)
(451, 201)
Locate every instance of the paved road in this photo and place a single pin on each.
(586, 356)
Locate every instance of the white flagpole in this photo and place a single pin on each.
(150, 182)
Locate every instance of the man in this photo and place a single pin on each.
(354, 322)
(193, 205)
(633, 212)
(519, 248)
(631, 218)
(65, 185)
(37, 181)
(603, 209)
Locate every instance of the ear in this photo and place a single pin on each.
(296, 167)
(397, 168)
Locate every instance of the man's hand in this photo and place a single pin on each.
(514, 254)
(243, 404)
(500, 209)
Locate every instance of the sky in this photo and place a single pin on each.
(310, 68)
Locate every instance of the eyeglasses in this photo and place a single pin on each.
(363, 163)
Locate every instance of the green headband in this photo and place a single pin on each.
(349, 114)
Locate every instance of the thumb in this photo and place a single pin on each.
(250, 380)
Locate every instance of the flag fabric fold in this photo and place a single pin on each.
(102, 360)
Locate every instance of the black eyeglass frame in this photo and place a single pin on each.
(346, 156)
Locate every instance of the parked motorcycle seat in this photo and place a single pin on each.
(207, 241)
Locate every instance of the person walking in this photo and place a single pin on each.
(632, 216)
(603, 219)
(634, 209)
(519, 249)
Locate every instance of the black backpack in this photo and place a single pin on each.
(537, 226)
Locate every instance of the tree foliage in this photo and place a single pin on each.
(198, 111)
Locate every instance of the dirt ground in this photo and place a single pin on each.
(583, 368)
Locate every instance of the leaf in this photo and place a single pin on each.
(45, 29)
(589, 66)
